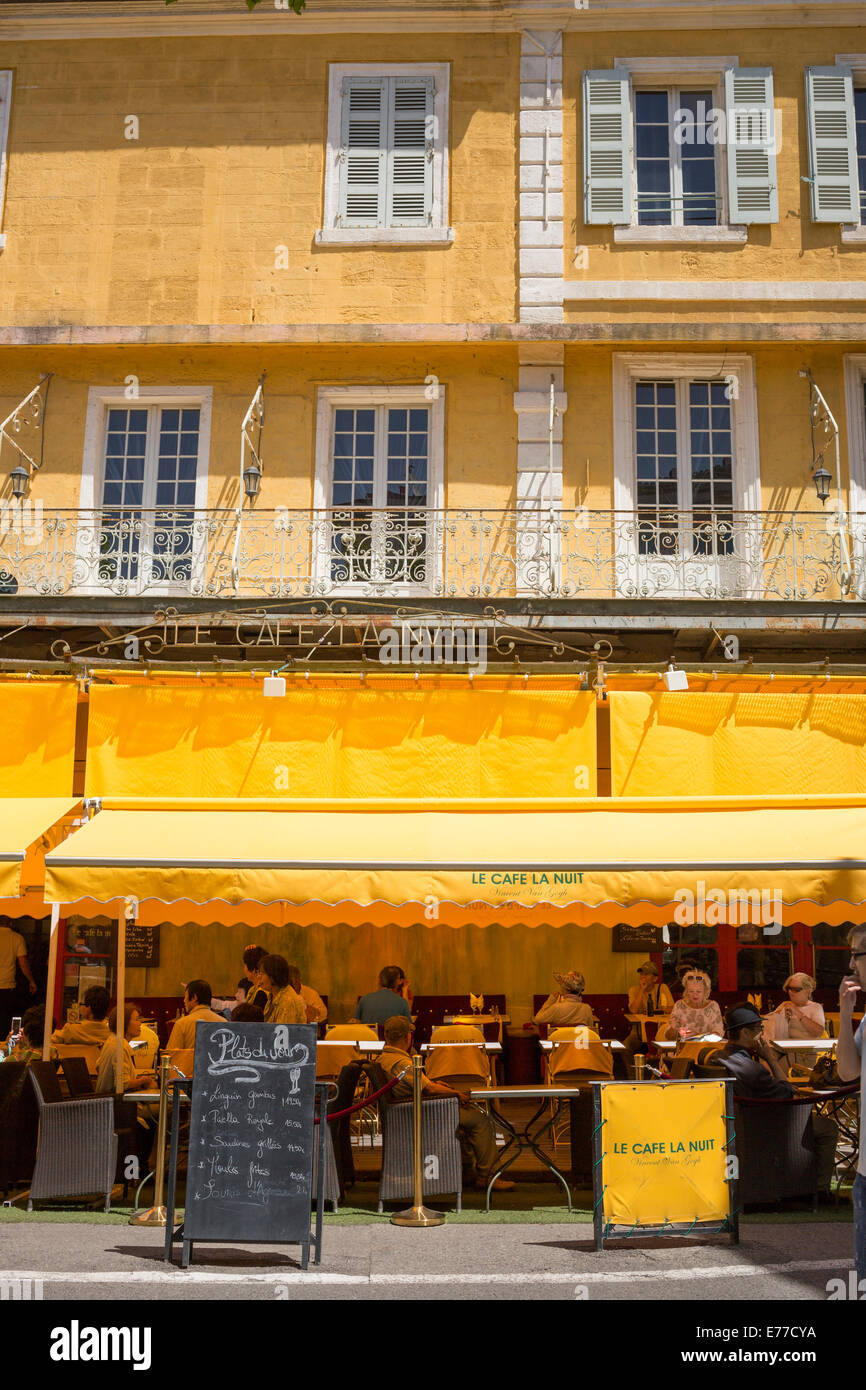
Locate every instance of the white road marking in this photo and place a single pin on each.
(312, 1276)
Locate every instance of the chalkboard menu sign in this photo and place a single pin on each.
(643, 938)
(142, 944)
(250, 1166)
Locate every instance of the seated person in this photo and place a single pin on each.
(464, 1064)
(197, 1009)
(313, 1002)
(475, 1127)
(798, 1017)
(759, 1075)
(29, 1045)
(247, 1013)
(696, 1014)
(145, 1057)
(105, 1071)
(92, 1028)
(578, 1054)
(256, 992)
(284, 1005)
(388, 1001)
(649, 997)
(566, 1009)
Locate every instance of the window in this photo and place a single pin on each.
(860, 133)
(144, 482)
(684, 458)
(675, 158)
(679, 150)
(5, 102)
(686, 467)
(148, 492)
(387, 158)
(378, 479)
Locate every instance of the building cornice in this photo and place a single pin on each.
(81, 19)
(683, 330)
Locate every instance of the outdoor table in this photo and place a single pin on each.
(477, 1020)
(613, 1043)
(360, 1044)
(644, 1019)
(805, 1044)
(521, 1137)
(844, 1111)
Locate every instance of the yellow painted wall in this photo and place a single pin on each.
(480, 421)
(344, 962)
(181, 225)
(794, 248)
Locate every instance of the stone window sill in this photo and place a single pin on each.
(680, 236)
(385, 236)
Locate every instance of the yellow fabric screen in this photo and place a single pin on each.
(690, 744)
(37, 750)
(341, 743)
(664, 1153)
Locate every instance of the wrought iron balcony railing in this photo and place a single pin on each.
(446, 554)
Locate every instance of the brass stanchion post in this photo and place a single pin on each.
(417, 1214)
(155, 1215)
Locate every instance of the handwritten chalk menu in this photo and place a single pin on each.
(142, 944)
(249, 1175)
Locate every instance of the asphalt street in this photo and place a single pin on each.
(469, 1262)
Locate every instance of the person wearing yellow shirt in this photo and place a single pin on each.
(313, 1002)
(197, 1009)
(285, 1005)
(92, 1027)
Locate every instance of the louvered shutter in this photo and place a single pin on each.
(832, 145)
(607, 144)
(410, 152)
(753, 193)
(363, 152)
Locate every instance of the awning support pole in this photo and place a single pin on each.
(121, 999)
(52, 977)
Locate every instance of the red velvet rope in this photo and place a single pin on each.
(362, 1104)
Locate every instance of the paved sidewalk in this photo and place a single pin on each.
(788, 1262)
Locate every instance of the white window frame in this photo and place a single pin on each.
(666, 74)
(100, 399)
(855, 412)
(5, 108)
(438, 233)
(854, 233)
(630, 367)
(330, 399)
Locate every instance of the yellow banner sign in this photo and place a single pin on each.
(664, 1155)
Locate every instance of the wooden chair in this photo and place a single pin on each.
(77, 1074)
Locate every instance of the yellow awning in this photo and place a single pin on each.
(599, 853)
(37, 750)
(23, 822)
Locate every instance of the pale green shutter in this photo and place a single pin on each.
(753, 193)
(363, 153)
(832, 145)
(410, 152)
(607, 146)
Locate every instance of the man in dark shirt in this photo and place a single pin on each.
(387, 1001)
(744, 1056)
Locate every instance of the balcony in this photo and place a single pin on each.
(450, 554)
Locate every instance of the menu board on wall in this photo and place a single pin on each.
(142, 944)
(643, 938)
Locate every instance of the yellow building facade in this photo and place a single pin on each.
(531, 292)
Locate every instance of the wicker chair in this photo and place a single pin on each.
(19, 1126)
(332, 1181)
(440, 1118)
(77, 1152)
(775, 1159)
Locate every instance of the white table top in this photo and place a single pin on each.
(525, 1092)
(805, 1044)
(488, 1046)
(362, 1044)
(613, 1043)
